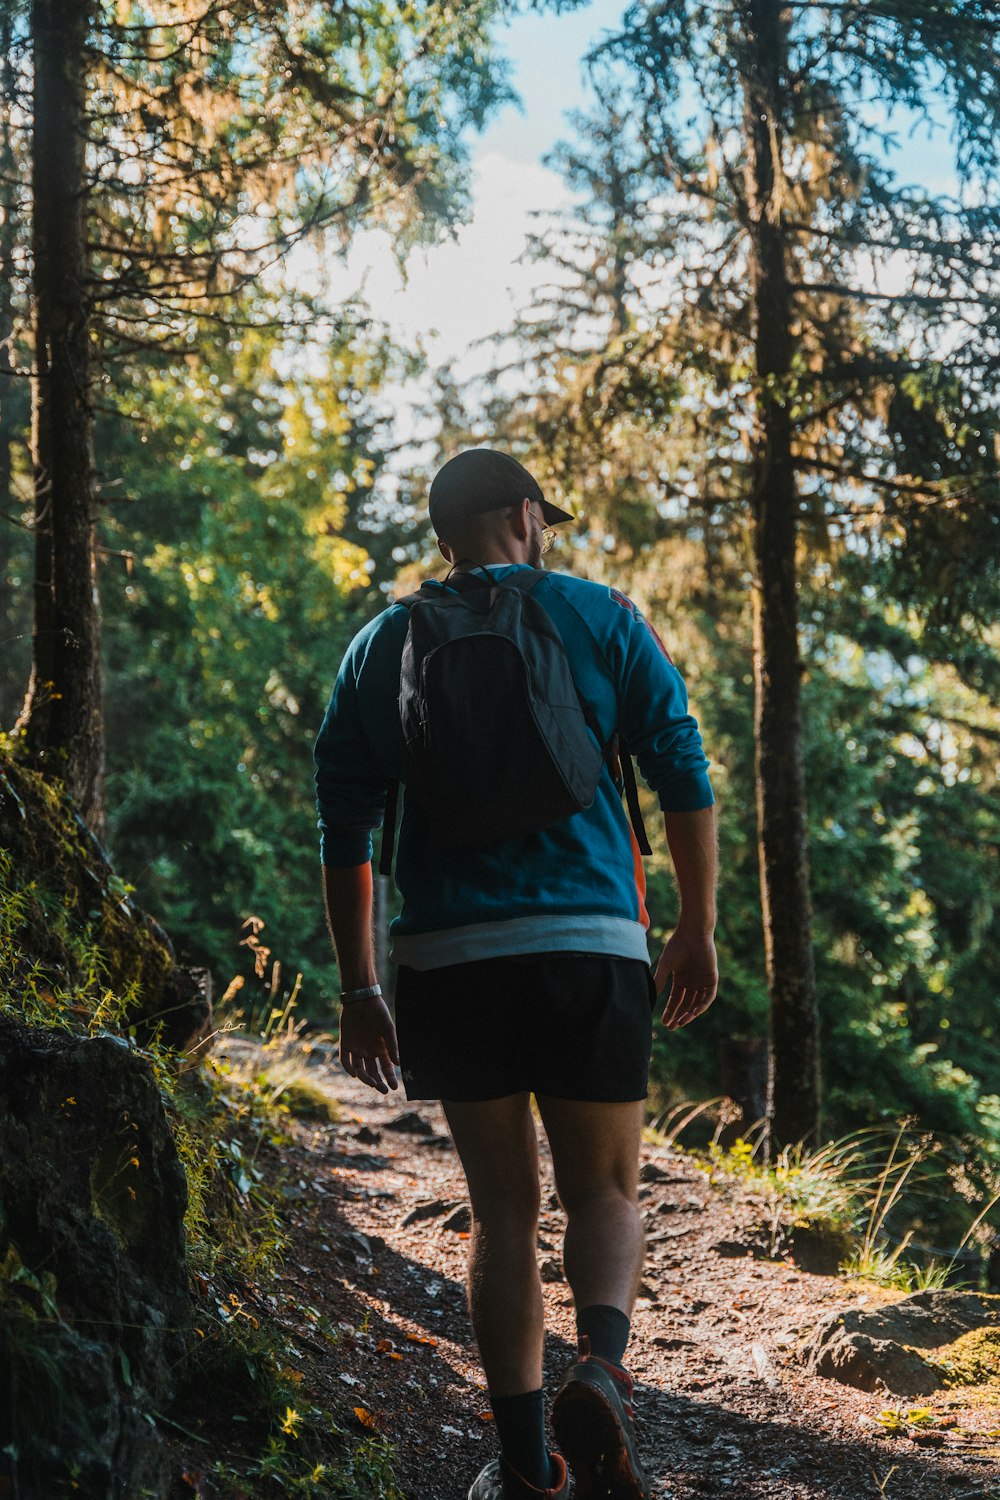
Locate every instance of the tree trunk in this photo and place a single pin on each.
(62, 714)
(794, 1101)
(11, 405)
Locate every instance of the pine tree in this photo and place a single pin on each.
(809, 346)
(62, 715)
(15, 624)
(179, 153)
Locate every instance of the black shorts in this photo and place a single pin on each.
(573, 1025)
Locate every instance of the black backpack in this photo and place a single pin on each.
(499, 742)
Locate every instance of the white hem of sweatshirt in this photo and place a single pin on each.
(617, 937)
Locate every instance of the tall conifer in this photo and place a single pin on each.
(180, 151)
(810, 347)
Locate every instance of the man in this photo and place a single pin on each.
(523, 969)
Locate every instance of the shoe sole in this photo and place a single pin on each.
(589, 1433)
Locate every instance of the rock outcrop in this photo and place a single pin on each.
(94, 1294)
(71, 888)
(903, 1348)
(93, 1291)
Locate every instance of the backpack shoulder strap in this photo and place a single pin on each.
(391, 815)
(388, 829)
(632, 796)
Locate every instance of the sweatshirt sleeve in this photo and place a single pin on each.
(351, 786)
(661, 734)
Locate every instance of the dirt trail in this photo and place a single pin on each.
(379, 1240)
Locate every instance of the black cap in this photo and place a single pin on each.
(482, 479)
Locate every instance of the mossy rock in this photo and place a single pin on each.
(972, 1359)
(910, 1346)
(71, 926)
(310, 1101)
(93, 1280)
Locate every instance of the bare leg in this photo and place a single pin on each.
(595, 1153)
(498, 1148)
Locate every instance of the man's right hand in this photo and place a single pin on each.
(690, 960)
(368, 1044)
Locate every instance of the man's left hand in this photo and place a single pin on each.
(689, 960)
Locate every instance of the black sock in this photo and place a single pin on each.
(607, 1328)
(521, 1429)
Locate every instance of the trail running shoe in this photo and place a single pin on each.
(490, 1483)
(594, 1424)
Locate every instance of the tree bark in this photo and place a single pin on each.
(62, 716)
(794, 1088)
(12, 413)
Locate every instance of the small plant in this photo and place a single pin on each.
(888, 1268)
(667, 1127)
(804, 1188)
(898, 1421)
(319, 1461)
(882, 1484)
(276, 1079)
(846, 1190)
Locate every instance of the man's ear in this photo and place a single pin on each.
(445, 551)
(520, 521)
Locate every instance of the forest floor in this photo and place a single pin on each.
(377, 1248)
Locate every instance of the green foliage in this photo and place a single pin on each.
(803, 1189)
(74, 946)
(284, 1085)
(342, 1473)
(859, 1192)
(888, 1268)
(225, 633)
(903, 824)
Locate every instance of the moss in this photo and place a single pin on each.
(973, 1359)
(310, 1101)
(68, 920)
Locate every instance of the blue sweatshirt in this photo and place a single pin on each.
(576, 886)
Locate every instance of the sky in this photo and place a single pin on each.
(473, 283)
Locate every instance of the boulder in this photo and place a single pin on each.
(93, 1283)
(902, 1348)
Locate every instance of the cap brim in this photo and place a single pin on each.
(553, 515)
